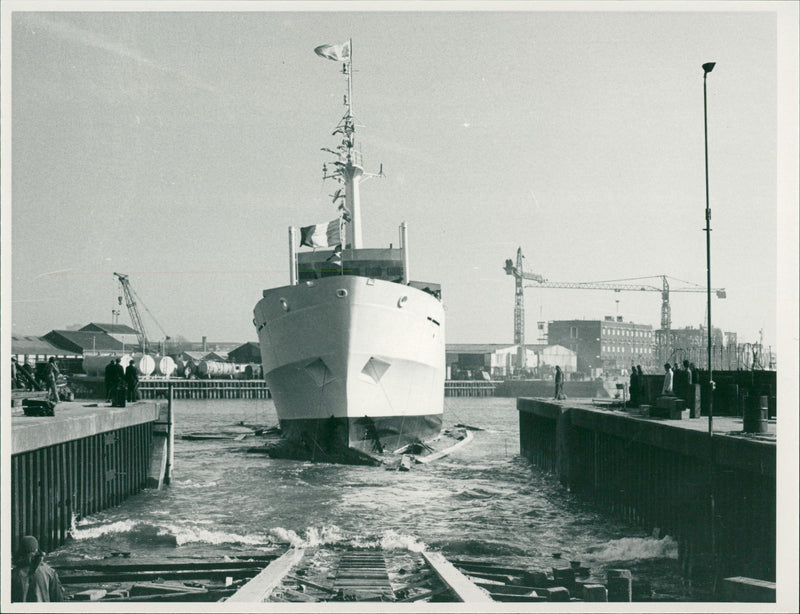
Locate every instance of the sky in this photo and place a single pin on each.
(178, 147)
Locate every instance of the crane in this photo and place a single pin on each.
(520, 276)
(133, 310)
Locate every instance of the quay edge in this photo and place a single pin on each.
(662, 473)
(81, 461)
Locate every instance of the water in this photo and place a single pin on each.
(483, 501)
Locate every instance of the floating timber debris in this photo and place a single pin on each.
(160, 580)
(334, 574)
(401, 459)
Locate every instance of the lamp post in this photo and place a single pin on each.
(707, 68)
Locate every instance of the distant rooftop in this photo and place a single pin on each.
(77, 341)
(111, 329)
(36, 346)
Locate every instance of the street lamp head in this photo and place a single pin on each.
(708, 67)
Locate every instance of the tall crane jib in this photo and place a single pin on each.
(615, 285)
(133, 310)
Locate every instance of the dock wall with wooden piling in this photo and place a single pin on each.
(76, 463)
(659, 474)
(469, 388)
(204, 389)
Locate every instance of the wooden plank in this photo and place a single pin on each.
(462, 588)
(446, 451)
(260, 587)
(141, 576)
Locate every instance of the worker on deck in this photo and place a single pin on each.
(131, 380)
(51, 374)
(31, 578)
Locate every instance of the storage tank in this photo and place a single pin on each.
(96, 365)
(214, 368)
(165, 366)
(144, 363)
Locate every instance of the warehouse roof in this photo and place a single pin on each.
(30, 345)
(111, 329)
(77, 341)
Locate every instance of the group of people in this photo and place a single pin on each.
(679, 382)
(676, 382)
(637, 389)
(121, 382)
(51, 373)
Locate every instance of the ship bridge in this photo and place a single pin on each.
(379, 263)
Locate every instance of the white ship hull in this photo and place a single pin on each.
(353, 363)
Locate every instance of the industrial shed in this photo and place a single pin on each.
(247, 352)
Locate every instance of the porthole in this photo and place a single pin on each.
(341, 292)
(284, 304)
(402, 301)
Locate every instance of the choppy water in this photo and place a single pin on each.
(482, 501)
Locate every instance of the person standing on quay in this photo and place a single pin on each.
(51, 374)
(667, 387)
(111, 384)
(633, 387)
(118, 396)
(641, 392)
(559, 394)
(131, 380)
(688, 382)
(31, 578)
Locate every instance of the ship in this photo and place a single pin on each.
(353, 350)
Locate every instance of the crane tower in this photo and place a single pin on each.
(519, 305)
(133, 310)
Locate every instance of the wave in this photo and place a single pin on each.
(333, 535)
(146, 533)
(634, 549)
(475, 547)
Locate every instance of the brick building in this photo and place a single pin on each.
(605, 347)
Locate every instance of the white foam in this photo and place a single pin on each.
(187, 535)
(636, 548)
(81, 531)
(392, 540)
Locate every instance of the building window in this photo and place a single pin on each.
(573, 332)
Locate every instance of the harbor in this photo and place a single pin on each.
(346, 325)
(499, 527)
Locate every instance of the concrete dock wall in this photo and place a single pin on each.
(74, 464)
(663, 474)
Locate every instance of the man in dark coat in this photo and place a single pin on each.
(111, 380)
(118, 395)
(31, 578)
(131, 380)
(559, 380)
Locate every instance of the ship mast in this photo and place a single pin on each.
(352, 170)
(349, 170)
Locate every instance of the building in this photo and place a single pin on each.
(247, 352)
(471, 360)
(605, 347)
(29, 350)
(78, 342)
(123, 333)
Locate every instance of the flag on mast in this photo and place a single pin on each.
(337, 53)
(322, 235)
